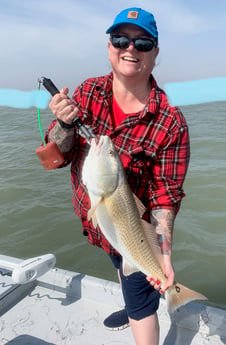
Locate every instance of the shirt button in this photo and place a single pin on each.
(102, 93)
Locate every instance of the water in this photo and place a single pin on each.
(36, 214)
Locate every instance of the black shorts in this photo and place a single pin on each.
(140, 297)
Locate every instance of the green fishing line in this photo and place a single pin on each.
(40, 126)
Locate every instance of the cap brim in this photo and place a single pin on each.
(113, 27)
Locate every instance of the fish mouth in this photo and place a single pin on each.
(102, 139)
(101, 142)
(97, 145)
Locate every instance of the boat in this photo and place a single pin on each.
(60, 307)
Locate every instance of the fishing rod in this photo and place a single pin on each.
(77, 122)
(25, 271)
(49, 154)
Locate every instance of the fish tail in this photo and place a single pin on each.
(178, 295)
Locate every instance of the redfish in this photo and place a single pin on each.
(117, 212)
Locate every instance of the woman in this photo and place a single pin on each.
(153, 143)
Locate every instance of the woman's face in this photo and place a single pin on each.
(130, 62)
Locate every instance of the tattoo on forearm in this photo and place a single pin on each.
(164, 244)
(163, 221)
(62, 137)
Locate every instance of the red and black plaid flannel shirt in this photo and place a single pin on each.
(153, 146)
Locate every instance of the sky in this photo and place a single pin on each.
(66, 40)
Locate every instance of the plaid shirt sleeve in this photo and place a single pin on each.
(170, 165)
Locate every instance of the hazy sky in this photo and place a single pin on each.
(66, 41)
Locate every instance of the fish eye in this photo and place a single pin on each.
(111, 152)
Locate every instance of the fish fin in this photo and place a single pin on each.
(94, 221)
(94, 204)
(153, 241)
(179, 295)
(127, 268)
(140, 206)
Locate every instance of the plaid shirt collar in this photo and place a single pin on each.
(104, 87)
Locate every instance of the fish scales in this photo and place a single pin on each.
(129, 229)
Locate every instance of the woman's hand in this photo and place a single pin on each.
(169, 274)
(63, 107)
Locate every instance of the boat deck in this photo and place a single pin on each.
(67, 308)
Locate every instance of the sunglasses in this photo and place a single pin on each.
(141, 44)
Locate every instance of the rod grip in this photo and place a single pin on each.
(48, 84)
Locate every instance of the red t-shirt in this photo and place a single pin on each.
(117, 113)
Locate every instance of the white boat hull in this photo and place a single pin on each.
(67, 308)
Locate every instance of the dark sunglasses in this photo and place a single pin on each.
(141, 44)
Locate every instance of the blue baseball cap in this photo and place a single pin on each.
(137, 16)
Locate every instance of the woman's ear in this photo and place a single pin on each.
(157, 52)
(109, 45)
